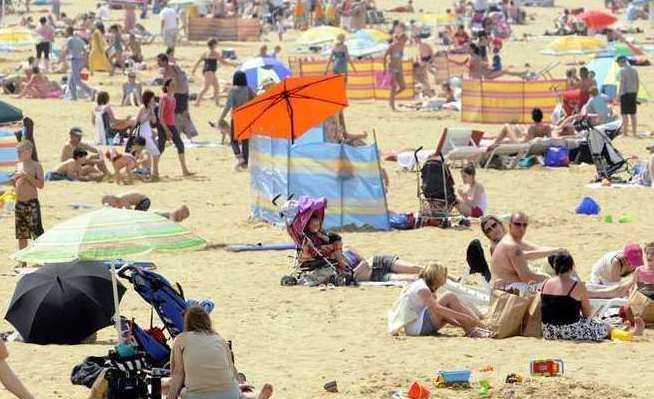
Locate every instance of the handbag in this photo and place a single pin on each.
(506, 313)
(133, 134)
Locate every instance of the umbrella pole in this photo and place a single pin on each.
(114, 285)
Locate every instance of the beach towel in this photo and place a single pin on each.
(507, 313)
(595, 186)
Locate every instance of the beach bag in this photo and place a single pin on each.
(401, 313)
(402, 221)
(87, 372)
(556, 157)
(506, 313)
(642, 306)
(133, 134)
(532, 323)
(124, 379)
(383, 80)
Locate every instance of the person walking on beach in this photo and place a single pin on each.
(167, 126)
(74, 52)
(629, 83)
(393, 65)
(180, 89)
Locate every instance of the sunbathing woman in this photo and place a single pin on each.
(471, 199)
(419, 311)
(39, 86)
(566, 310)
(380, 268)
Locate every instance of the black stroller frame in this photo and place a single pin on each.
(434, 209)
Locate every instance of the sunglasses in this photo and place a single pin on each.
(518, 224)
(489, 227)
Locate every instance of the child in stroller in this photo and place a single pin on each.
(320, 254)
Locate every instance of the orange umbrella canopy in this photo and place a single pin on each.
(291, 107)
(597, 19)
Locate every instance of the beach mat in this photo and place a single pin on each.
(596, 186)
(260, 247)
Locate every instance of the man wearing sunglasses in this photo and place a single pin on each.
(509, 267)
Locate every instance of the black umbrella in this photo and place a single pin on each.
(63, 303)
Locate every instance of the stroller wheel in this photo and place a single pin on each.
(341, 280)
(288, 281)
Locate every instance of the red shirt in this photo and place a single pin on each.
(167, 104)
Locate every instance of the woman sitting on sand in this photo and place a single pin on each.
(101, 111)
(39, 86)
(202, 364)
(471, 198)
(644, 275)
(566, 309)
(419, 311)
(609, 270)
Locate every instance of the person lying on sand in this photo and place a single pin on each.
(380, 268)
(515, 134)
(74, 170)
(509, 266)
(128, 200)
(93, 158)
(39, 86)
(566, 309)
(419, 311)
(177, 215)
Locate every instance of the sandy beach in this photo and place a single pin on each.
(299, 338)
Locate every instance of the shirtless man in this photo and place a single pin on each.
(509, 267)
(179, 88)
(73, 169)
(74, 142)
(426, 53)
(393, 60)
(128, 200)
(26, 181)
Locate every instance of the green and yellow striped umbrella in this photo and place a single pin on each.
(108, 234)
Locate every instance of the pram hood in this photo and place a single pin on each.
(306, 208)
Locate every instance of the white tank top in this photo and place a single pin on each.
(100, 134)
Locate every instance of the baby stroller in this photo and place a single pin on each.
(598, 150)
(435, 187)
(323, 269)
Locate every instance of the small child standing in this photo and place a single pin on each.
(132, 90)
(27, 180)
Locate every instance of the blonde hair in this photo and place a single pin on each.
(435, 275)
(197, 320)
(25, 145)
(649, 247)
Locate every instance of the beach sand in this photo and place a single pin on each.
(300, 338)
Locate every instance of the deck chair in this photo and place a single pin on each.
(460, 144)
(546, 72)
(518, 150)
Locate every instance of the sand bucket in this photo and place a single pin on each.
(418, 391)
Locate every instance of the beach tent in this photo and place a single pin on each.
(349, 177)
(607, 77)
(8, 155)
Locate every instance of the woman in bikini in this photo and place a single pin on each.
(393, 60)
(210, 61)
(339, 59)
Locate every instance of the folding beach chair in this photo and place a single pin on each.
(546, 72)
(460, 144)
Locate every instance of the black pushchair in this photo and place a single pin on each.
(597, 149)
(435, 187)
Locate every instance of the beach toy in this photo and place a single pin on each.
(546, 367)
(513, 378)
(453, 378)
(484, 388)
(625, 218)
(418, 391)
(557, 157)
(8, 199)
(608, 218)
(621, 335)
(587, 206)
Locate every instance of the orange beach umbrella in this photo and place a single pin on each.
(291, 107)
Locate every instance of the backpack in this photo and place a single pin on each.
(168, 302)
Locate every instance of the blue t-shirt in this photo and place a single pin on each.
(599, 105)
(75, 48)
